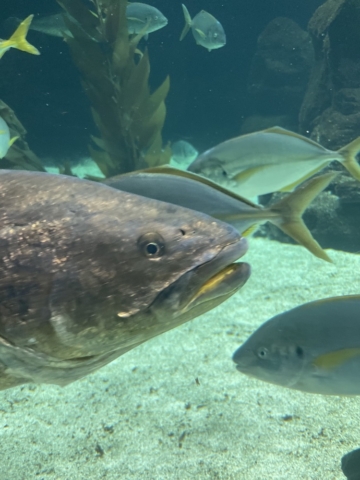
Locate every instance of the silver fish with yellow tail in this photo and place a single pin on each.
(269, 161)
(313, 348)
(193, 191)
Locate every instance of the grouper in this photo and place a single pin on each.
(88, 272)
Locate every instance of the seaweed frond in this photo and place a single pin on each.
(19, 156)
(116, 80)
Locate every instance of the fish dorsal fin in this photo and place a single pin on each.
(200, 32)
(169, 170)
(289, 133)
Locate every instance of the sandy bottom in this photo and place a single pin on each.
(146, 417)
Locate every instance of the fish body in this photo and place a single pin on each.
(88, 273)
(350, 465)
(183, 154)
(143, 18)
(18, 39)
(206, 29)
(269, 161)
(313, 348)
(192, 191)
(140, 16)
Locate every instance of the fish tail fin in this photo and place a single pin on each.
(18, 38)
(187, 22)
(289, 210)
(349, 153)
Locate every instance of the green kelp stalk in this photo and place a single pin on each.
(19, 156)
(115, 77)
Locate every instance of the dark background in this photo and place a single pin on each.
(207, 100)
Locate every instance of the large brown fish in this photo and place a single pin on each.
(88, 272)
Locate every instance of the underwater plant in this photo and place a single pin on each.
(19, 156)
(115, 77)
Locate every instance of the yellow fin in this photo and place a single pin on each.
(246, 174)
(331, 360)
(249, 231)
(18, 38)
(349, 153)
(286, 214)
(200, 32)
(12, 140)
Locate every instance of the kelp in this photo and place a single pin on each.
(115, 77)
(19, 155)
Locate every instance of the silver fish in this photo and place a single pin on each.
(269, 161)
(88, 272)
(206, 29)
(192, 191)
(314, 348)
(139, 16)
(183, 154)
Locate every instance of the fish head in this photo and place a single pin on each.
(210, 166)
(272, 354)
(140, 15)
(214, 37)
(90, 272)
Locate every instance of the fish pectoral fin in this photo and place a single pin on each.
(12, 140)
(286, 214)
(200, 32)
(134, 19)
(188, 22)
(18, 38)
(331, 360)
(349, 153)
(246, 174)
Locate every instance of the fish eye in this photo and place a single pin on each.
(215, 35)
(156, 17)
(152, 245)
(262, 352)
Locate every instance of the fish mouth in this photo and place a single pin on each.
(217, 279)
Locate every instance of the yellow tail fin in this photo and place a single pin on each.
(288, 212)
(18, 38)
(349, 152)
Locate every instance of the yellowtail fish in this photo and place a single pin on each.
(5, 140)
(18, 39)
(270, 161)
(314, 348)
(206, 29)
(192, 191)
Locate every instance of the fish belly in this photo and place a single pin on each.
(275, 178)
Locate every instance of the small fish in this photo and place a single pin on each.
(207, 31)
(183, 154)
(18, 39)
(313, 348)
(192, 191)
(88, 272)
(5, 140)
(270, 161)
(350, 465)
(139, 16)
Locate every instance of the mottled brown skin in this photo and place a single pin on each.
(78, 286)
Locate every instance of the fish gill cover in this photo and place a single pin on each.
(115, 77)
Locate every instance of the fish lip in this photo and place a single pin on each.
(226, 257)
